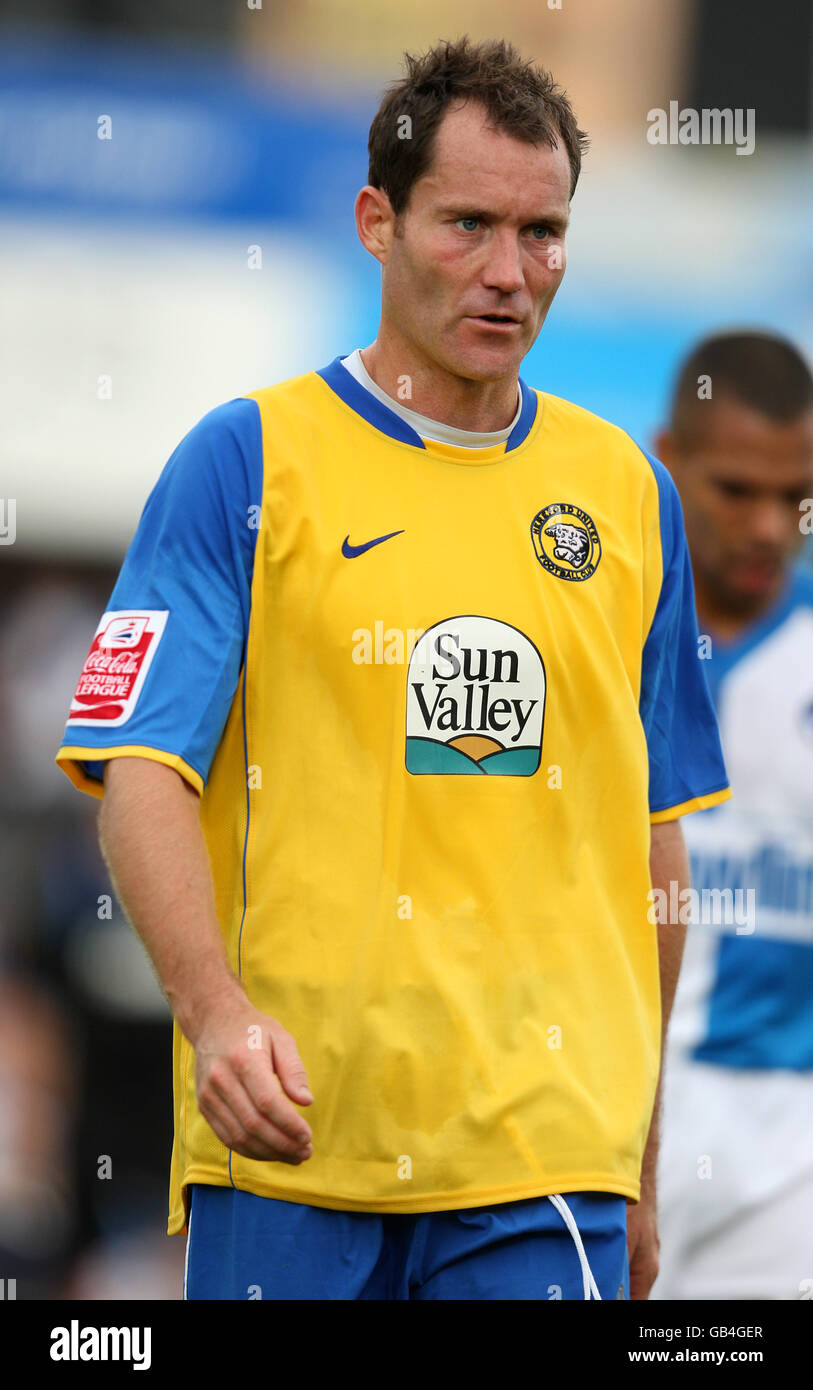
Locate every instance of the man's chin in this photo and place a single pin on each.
(754, 591)
(486, 363)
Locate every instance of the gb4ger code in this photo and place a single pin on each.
(668, 1333)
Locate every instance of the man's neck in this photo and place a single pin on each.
(423, 425)
(482, 406)
(729, 625)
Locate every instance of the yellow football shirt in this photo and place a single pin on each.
(432, 698)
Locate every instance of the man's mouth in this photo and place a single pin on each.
(755, 576)
(496, 320)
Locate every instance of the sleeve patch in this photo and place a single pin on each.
(116, 666)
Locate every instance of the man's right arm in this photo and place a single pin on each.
(246, 1064)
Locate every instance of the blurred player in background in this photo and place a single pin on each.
(736, 1170)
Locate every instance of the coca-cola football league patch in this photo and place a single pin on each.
(116, 666)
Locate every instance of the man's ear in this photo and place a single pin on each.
(375, 222)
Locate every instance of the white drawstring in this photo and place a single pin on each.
(590, 1286)
(188, 1241)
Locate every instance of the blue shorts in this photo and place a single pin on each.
(241, 1246)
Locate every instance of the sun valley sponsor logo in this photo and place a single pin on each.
(475, 700)
(116, 666)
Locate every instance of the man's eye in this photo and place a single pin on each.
(544, 229)
(473, 221)
(733, 490)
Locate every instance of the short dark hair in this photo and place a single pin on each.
(759, 369)
(520, 99)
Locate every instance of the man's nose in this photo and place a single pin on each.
(772, 522)
(504, 270)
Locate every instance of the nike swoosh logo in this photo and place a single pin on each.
(351, 551)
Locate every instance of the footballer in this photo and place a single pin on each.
(400, 907)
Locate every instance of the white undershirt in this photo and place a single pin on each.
(422, 424)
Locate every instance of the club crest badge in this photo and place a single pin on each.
(566, 541)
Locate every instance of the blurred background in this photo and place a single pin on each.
(134, 300)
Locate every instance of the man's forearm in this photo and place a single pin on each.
(669, 863)
(153, 844)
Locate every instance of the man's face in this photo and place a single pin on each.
(741, 484)
(483, 234)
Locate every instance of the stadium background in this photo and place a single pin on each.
(130, 308)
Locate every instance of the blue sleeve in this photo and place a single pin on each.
(685, 757)
(179, 610)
